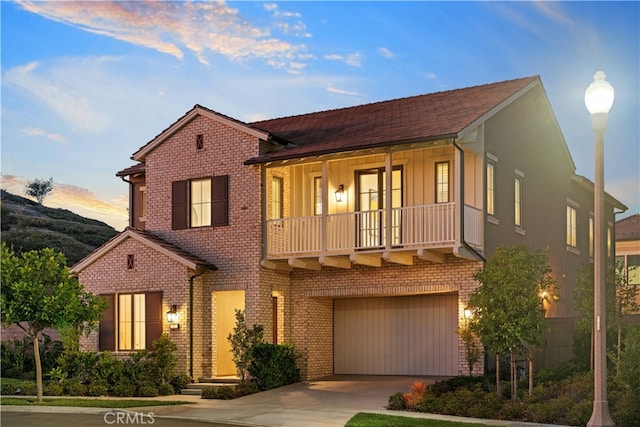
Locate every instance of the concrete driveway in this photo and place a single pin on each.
(329, 401)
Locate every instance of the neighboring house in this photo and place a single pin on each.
(352, 234)
(628, 249)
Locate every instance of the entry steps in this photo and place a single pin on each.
(195, 389)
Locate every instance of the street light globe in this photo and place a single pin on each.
(599, 95)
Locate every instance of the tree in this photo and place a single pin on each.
(38, 292)
(507, 312)
(243, 340)
(39, 188)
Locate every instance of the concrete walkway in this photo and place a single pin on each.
(327, 402)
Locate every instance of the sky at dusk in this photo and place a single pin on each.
(85, 84)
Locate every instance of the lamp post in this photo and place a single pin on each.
(599, 98)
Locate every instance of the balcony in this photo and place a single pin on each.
(413, 230)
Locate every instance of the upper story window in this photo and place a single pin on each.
(200, 202)
(442, 182)
(131, 321)
(491, 208)
(572, 233)
(518, 187)
(317, 195)
(277, 197)
(591, 236)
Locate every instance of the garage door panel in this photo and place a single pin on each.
(413, 335)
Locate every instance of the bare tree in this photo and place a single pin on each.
(39, 188)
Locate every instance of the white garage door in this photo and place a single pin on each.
(412, 335)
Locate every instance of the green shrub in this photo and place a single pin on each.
(511, 410)
(164, 359)
(110, 369)
(452, 384)
(629, 369)
(430, 403)
(73, 387)
(209, 393)
(78, 364)
(225, 393)
(274, 366)
(53, 388)
(396, 402)
(165, 389)
(98, 388)
(124, 389)
(180, 381)
(147, 390)
(8, 389)
(27, 388)
(245, 389)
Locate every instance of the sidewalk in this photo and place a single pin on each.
(327, 402)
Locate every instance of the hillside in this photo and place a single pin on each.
(27, 226)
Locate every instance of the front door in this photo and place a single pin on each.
(226, 304)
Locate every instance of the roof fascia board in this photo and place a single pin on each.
(590, 186)
(121, 238)
(197, 111)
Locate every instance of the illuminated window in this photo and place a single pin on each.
(131, 322)
(571, 227)
(200, 202)
(491, 189)
(277, 196)
(317, 195)
(518, 201)
(442, 182)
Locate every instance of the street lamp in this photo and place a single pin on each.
(599, 98)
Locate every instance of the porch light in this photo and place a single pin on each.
(172, 317)
(467, 313)
(340, 193)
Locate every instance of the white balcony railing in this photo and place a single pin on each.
(411, 228)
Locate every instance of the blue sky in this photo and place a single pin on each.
(84, 85)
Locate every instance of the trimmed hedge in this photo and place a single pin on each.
(274, 365)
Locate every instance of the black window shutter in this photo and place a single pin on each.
(179, 205)
(220, 200)
(153, 318)
(106, 327)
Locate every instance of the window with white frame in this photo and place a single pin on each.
(317, 195)
(277, 197)
(200, 202)
(572, 229)
(491, 209)
(442, 182)
(518, 188)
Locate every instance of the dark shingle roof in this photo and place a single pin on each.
(424, 117)
(132, 170)
(628, 228)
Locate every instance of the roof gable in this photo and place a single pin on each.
(156, 243)
(196, 111)
(418, 118)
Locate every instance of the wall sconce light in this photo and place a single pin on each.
(340, 193)
(172, 317)
(467, 313)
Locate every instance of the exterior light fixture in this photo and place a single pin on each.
(340, 193)
(467, 313)
(599, 98)
(172, 317)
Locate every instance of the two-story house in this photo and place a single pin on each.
(352, 234)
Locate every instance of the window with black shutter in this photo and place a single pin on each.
(179, 205)
(220, 200)
(106, 326)
(191, 207)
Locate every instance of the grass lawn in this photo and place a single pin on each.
(89, 403)
(13, 380)
(378, 420)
